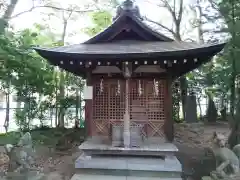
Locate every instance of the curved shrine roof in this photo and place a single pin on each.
(133, 49)
(130, 39)
(177, 57)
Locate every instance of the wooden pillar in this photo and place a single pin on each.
(169, 123)
(88, 109)
(126, 131)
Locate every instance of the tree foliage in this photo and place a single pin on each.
(36, 83)
(100, 21)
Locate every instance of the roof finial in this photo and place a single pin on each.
(129, 7)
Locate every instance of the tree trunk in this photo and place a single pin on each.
(182, 79)
(56, 116)
(10, 9)
(61, 95)
(199, 22)
(234, 137)
(232, 91)
(183, 88)
(200, 107)
(4, 20)
(233, 57)
(77, 119)
(62, 82)
(29, 114)
(51, 116)
(176, 101)
(6, 123)
(7, 15)
(56, 97)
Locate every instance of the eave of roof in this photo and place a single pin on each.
(132, 50)
(175, 62)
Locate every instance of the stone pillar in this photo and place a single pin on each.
(191, 110)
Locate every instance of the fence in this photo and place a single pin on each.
(48, 120)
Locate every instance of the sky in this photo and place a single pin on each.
(74, 28)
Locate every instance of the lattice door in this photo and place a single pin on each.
(146, 108)
(147, 105)
(108, 104)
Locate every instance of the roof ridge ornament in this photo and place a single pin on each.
(129, 7)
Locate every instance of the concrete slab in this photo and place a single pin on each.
(148, 146)
(150, 178)
(101, 163)
(109, 177)
(97, 177)
(169, 164)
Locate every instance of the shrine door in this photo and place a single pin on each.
(146, 105)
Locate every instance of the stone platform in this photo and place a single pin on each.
(152, 160)
(150, 147)
(109, 177)
(129, 163)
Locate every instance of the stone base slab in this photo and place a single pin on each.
(109, 177)
(168, 164)
(97, 146)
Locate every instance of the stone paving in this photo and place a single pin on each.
(169, 164)
(109, 177)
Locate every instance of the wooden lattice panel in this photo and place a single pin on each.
(108, 104)
(147, 105)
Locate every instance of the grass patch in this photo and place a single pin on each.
(9, 138)
(47, 136)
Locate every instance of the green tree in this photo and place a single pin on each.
(100, 21)
(231, 12)
(24, 70)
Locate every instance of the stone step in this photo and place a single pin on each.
(129, 163)
(111, 172)
(147, 149)
(111, 177)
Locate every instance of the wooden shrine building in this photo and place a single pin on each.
(129, 69)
